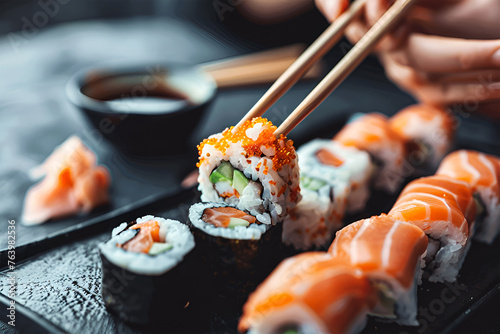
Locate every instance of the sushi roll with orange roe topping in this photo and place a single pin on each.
(390, 253)
(309, 293)
(373, 134)
(251, 169)
(445, 210)
(428, 132)
(482, 172)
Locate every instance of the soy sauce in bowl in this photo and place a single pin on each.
(144, 110)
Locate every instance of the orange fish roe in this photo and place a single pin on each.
(285, 152)
(272, 182)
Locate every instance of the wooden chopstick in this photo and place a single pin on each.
(346, 65)
(266, 71)
(315, 51)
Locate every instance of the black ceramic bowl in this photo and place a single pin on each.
(144, 110)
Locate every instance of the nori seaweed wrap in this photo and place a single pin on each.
(149, 284)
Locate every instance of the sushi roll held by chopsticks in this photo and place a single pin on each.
(251, 169)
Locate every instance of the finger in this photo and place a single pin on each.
(418, 84)
(331, 9)
(442, 54)
(484, 76)
(466, 93)
(375, 9)
(467, 19)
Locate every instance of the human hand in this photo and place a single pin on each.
(444, 52)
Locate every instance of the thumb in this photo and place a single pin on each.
(331, 9)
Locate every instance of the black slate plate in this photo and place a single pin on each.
(59, 290)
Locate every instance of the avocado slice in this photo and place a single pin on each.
(238, 222)
(222, 173)
(159, 247)
(311, 183)
(240, 181)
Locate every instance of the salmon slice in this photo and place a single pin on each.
(310, 289)
(221, 216)
(476, 168)
(449, 189)
(72, 183)
(373, 134)
(149, 233)
(431, 201)
(430, 125)
(382, 246)
(390, 253)
(482, 172)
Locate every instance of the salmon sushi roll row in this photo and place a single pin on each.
(428, 132)
(482, 172)
(444, 209)
(372, 133)
(310, 293)
(390, 253)
(251, 169)
(333, 179)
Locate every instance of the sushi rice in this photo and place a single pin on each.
(171, 231)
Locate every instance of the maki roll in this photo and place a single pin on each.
(482, 172)
(251, 169)
(373, 134)
(309, 293)
(428, 132)
(444, 209)
(145, 270)
(334, 179)
(313, 222)
(390, 253)
(238, 249)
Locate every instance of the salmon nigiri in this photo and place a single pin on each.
(482, 172)
(427, 130)
(72, 182)
(390, 253)
(436, 205)
(373, 134)
(310, 293)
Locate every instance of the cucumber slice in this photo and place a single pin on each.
(311, 183)
(239, 181)
(159, 247)
(222, 173)
(238, 222)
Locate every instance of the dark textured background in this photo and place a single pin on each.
(35, 115)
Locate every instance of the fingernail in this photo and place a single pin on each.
(495, 85)
(332, 9)
(496, 58)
